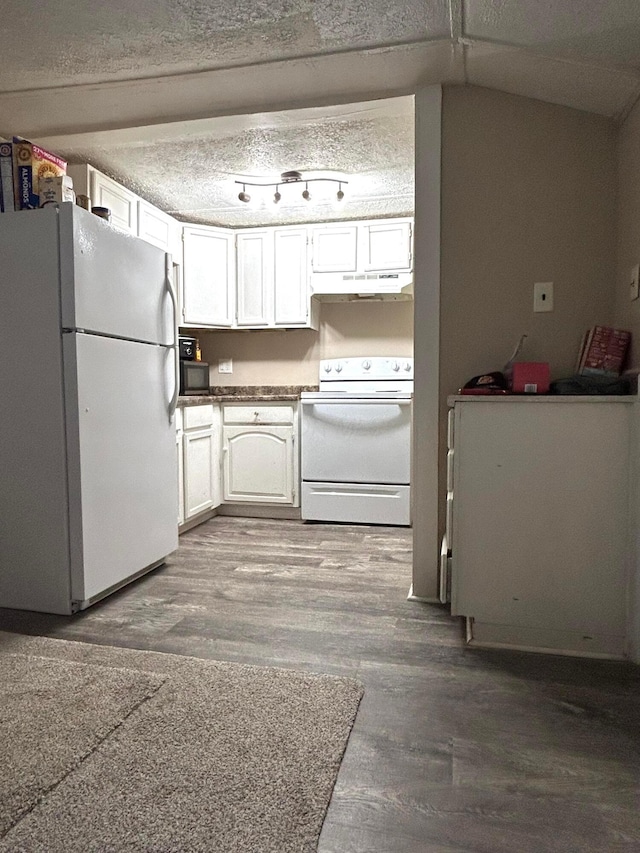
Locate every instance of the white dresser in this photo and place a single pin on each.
(536, 551)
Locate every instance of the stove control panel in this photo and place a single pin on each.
(372, 368)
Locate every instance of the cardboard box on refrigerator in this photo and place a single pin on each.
(31, 163)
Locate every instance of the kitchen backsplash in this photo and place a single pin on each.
(292, 357)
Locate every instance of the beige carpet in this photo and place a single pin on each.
(178, 754)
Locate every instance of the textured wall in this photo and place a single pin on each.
(528, 195)
(628, 221)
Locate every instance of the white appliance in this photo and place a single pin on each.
(350, 287)
(89, 469)
(356, 442)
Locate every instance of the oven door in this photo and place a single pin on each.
(356, 459)
(356, 440)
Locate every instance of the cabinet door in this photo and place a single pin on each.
(122, 203)
(335, 248)
(154, 226)
(387, 246)
(208, 277)
(291, 277)
(199, 460)
(254, 253)
(258, 464)
(179, 451)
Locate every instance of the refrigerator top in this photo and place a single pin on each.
(111, 283)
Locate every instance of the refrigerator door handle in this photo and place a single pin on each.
(176, 373)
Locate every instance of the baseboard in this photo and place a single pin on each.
(485, 635)
(290, 513)
(196, 520)
(412, 597)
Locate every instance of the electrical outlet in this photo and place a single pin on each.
(634, 289)
(543, 296)
(225, 365)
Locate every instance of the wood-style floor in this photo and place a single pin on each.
(453, 750)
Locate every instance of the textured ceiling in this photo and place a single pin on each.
(86, 42)
(146, 90)
(190, 171)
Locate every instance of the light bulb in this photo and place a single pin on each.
(339, 194)
(306, 195)
(243, 196)
(276, 196)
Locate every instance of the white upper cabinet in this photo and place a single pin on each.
(386, 246)
(254, 258)
(129, 212)
(291, 292)
(155, 226)
(208, 276)
(362, 247)
(122, 203)
(335, 248)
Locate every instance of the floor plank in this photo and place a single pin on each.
(453, 749)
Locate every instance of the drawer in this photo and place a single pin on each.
(197, 417)
(257, 414)
(445, 571)
(450, 421)
(449, 518)
(450, 471)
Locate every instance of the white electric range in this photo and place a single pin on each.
(356, 442)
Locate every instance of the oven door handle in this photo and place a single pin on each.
(331, 401)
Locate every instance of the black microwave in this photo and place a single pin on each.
(194, 377)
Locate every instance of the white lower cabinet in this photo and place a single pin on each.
(199, 460)
(260, 454)
(180, 455)
(538, 522)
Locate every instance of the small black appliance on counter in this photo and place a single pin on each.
(187, 347)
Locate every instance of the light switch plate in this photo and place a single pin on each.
(225, 365)
(543, 296)
(634, 288)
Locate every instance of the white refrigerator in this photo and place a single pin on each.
(89, 388)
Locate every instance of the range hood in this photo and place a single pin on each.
(347, 287)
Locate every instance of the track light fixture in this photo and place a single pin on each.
(292, 177)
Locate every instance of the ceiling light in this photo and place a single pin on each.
(290, 177)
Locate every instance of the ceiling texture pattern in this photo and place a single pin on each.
(179, 98)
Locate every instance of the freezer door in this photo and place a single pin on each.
(123, 499)
(357, 441)
(112, 283)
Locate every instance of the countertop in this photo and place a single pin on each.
(541, 398)
(247, 394)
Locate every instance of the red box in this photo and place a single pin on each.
(529, 377)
